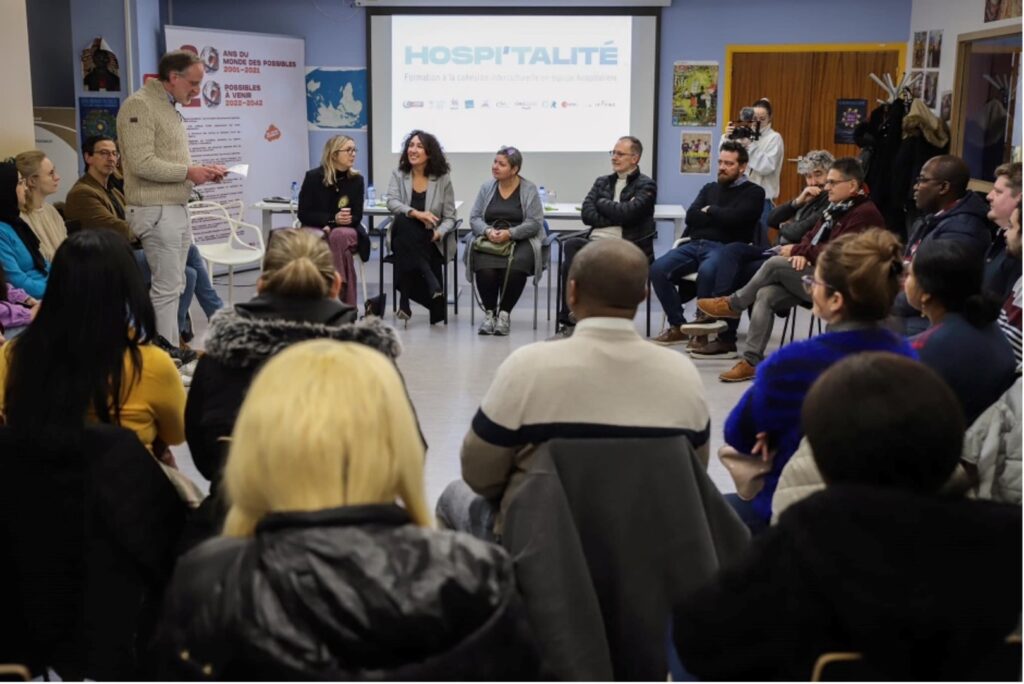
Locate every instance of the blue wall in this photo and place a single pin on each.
(701, 29)
(335, 35)
(690, 29)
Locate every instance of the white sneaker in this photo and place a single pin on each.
(487, 327)
(503, 324)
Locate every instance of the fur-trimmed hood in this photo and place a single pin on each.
(239, 341)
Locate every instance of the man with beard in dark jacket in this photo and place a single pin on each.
(924, 586)
(951, 212)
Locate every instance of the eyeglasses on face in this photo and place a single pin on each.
(349, 150)
(617, 154)
(113, 154)
(810, 281)
(922, 179)
(830, 182)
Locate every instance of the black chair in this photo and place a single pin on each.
(449, 254)
(645, 243)
(790, 324)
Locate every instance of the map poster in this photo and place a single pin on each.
(695, 94)
(849, 114)
(336, 98)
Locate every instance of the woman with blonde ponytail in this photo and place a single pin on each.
(296, 300)
(855, 280)
(328, 568)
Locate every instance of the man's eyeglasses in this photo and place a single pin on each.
(107, 153)
(921, 180)
(810, 281)
(829, 182)
(617, 154)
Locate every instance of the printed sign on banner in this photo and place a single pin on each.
(246, 113)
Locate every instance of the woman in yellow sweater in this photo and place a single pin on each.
(87, 355)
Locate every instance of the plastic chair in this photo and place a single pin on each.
(449, 254)
(545, 267)
(359, 262)
(233, 251)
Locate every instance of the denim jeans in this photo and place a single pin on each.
(461, 509)
(198, 283)
(667, 271)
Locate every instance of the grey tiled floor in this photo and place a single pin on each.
(448, 368)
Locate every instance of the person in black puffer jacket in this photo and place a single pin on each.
(296, 300)
(320, 574)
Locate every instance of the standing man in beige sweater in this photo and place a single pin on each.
(158, 178)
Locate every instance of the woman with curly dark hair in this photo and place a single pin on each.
(422, 200)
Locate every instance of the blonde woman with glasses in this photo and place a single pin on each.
(42, 180)
(331, 201)
(328, 568)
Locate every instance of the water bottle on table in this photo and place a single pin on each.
(371, 195)
(543, 196)
(295, 193)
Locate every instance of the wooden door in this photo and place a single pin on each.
(803, 87)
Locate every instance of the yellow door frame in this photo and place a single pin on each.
(730, 50)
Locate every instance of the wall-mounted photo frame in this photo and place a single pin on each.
(986, 125)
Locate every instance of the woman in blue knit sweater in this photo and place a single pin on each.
(854, 283)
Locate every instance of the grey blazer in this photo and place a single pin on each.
(532, 227)
(440, 200)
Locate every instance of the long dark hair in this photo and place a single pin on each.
(437, 163)
(72, 358)
(10, 213)
(953, 274)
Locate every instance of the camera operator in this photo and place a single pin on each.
(765, 148)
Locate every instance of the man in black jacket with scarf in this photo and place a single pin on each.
(619, 205)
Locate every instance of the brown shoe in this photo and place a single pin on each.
(741, 372)
(716, 349)
(717, 307)
(697, 342)
(670, 336)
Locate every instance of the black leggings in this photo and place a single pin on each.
(488, 283)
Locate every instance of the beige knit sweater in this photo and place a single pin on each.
(154, 148)
(48, 226)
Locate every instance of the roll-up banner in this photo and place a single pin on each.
(250, 113)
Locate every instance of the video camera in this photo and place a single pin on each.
(746, 127)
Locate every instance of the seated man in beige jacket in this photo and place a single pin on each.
(604, 381)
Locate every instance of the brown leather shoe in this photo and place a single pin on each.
(670, 336)
(697, 343)
(717, 307)
(716, 349)
(741, 372)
